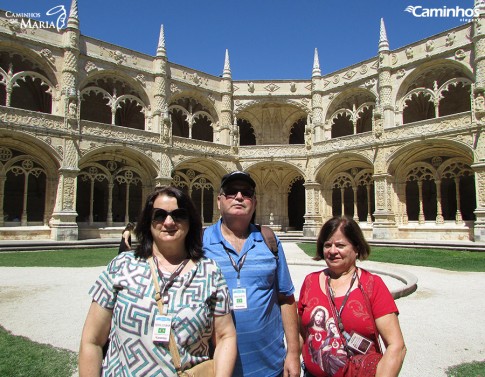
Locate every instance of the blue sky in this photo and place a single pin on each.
(267, 39)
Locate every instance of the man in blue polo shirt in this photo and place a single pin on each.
(264, 306)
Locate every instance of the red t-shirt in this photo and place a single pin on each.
(323, 352)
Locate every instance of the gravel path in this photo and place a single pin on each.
(442, 321)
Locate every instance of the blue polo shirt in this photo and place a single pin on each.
(260, 335)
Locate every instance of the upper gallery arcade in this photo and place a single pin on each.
(87, 129)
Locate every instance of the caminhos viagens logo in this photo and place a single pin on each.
(466, 14)
(34, 20)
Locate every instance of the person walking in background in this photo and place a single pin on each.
(125, 243)
(125, 299)
(259, 281)
(361, 307)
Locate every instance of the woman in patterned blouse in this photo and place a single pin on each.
(196, 303)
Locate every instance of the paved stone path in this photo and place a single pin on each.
(442, 321)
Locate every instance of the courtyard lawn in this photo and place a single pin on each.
(453, 260)
(21, 357)
(58, 258)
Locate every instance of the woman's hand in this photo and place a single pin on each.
(94, 337)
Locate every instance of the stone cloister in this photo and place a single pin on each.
(88, 128)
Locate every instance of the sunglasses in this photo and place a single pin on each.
(231, 193)
(177, 215)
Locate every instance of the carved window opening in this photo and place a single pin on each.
(296, 204)
(192, 120)
(456, 99)
(200, 188)
(95, 108)
(419, 107)
(246, 132)
(297, 133)
(130, 115)
(23, 84)
(111, 101)
(32, 94)
(353, 195)
(113, 192)
(202, 129)
(24, 191)
(445, 194)
(342, 126)
(180, 127)
(364, 120)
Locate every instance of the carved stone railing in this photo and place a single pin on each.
(429, 128)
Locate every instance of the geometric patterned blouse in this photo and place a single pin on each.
(194, 298)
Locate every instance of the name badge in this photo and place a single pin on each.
(161, 328)
(239, 299)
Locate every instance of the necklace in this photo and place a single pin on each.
(173, 269)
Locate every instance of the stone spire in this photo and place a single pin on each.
(316, 65)
(226, 74)
(383, 42)
(73, 20)
(480, 6)
(161, 51)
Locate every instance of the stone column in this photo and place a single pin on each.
(63, 220)
(313, 218)
(479, 230)
(385, 223)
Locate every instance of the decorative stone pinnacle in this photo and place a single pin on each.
(316, 65)
(226, 74)
(73, 20)
(383, 42)
(161, 51)
(480, 6)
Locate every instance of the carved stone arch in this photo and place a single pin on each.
(424, 75)
(129, 97)
(398, 159)
(342, 180)
(350, 99)
(110, 79)
(137, 160)
(104, 170)
(25, 59)
(420, 171)
(199, 97)
(427, 93)
(454, 96)
(454, 167)
(364, 177)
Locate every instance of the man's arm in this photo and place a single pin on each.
(290, 326)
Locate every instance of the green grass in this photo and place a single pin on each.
(453, 260)
(473, 369)
(21, 357)
(59, 258)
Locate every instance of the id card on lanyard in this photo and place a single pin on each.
(239, 297)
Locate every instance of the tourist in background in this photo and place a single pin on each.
(125, 243)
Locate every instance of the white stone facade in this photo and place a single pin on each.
(87, 129)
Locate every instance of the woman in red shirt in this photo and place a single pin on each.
(337, 292)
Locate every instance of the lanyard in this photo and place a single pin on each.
(332, 300)
(172, 277)
(237, 267)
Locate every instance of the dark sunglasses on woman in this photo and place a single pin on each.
(177, 215)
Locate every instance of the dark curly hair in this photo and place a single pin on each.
(193, 240)
(350, 229)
